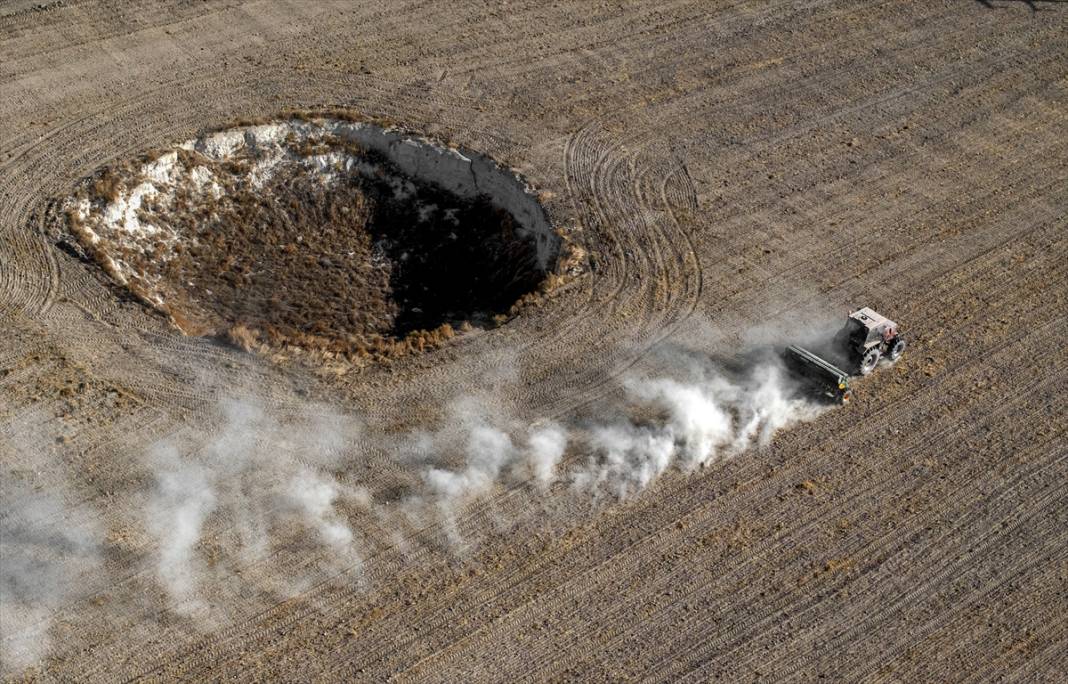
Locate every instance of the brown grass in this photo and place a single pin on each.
(243, 337)
(108, 186)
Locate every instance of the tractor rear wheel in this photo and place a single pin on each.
(897, 348)
(870, 360)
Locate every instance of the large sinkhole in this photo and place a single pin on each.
(320, 233)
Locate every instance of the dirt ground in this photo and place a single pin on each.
(722, 164)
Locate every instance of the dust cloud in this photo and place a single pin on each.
(255, 474)
(45, 551)
(260, 471)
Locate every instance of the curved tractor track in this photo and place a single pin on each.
(726, 169)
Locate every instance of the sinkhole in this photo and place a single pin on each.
(320, 233)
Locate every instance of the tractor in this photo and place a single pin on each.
(867, 337)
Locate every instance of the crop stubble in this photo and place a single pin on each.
(722, 163)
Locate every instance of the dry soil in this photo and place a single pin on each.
(722, 164)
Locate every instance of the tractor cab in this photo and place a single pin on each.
(865, 328)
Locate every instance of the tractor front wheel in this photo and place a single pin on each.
(897, 348)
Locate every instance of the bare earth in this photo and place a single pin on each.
(722, 164)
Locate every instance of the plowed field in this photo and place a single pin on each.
(725, 167)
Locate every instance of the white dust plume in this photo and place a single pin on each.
(236, 485)
(45, 552)
(242, 483)
(688, 422)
